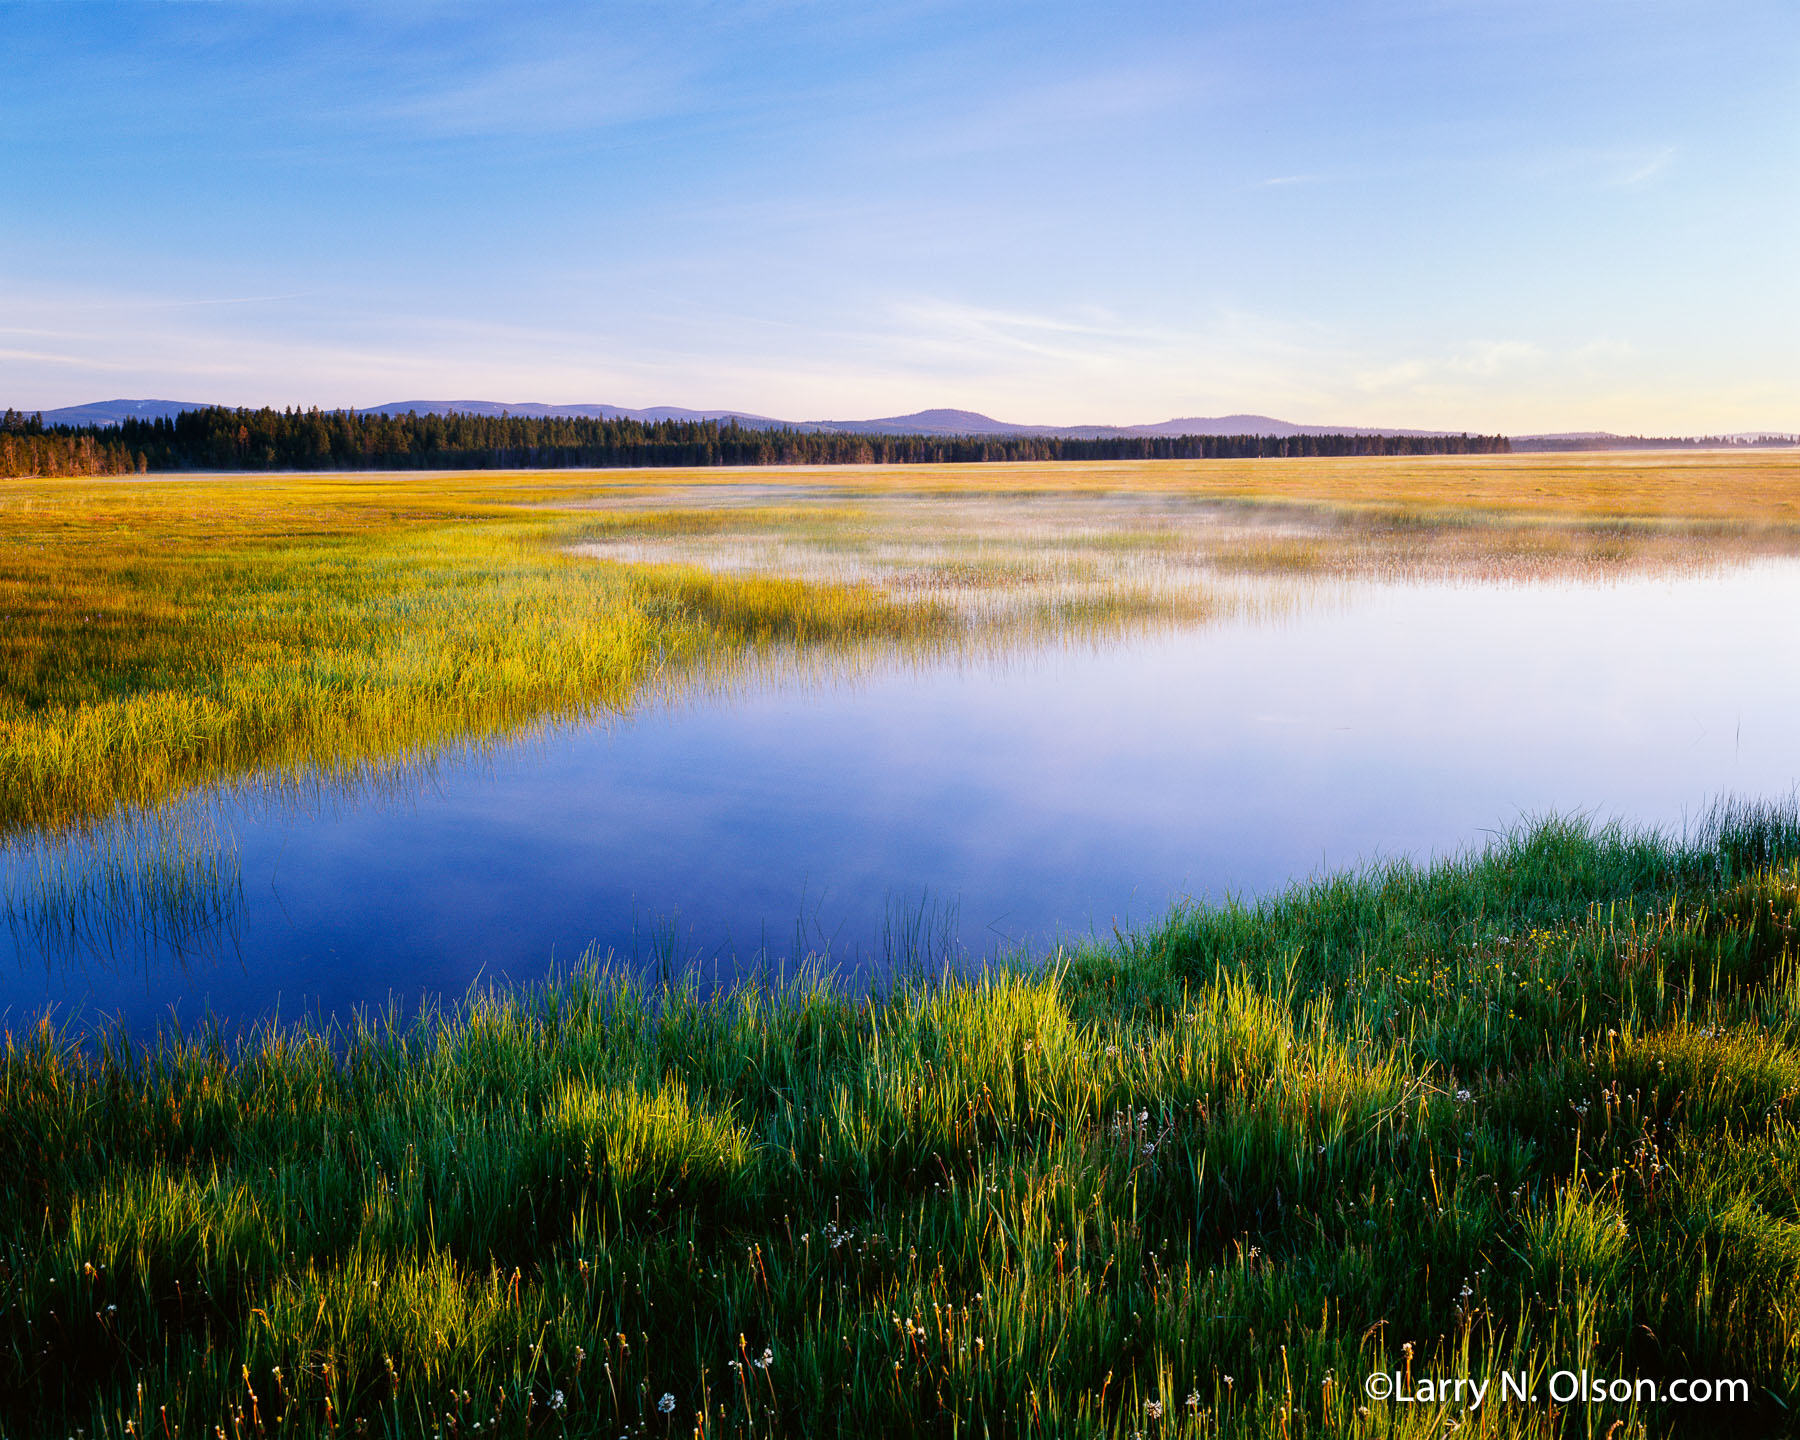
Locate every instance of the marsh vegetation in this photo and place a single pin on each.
(1531, 1109)
(1526, 1108)
(165, 634)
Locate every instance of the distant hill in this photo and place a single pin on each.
(1606, 440)
(536, 410)
(938, 423)
(111, 412)
(969, 422)
(920, 422)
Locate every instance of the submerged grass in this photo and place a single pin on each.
(1534, 1109)
(122, 893)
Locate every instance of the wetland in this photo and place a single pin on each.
(982, 949)
(1023, 718)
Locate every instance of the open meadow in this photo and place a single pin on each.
(1509, 1108)
(170, 631)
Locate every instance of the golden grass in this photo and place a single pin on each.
(163, 635)
(1759, 487)
(159, 633)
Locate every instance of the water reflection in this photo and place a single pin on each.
(140, 891)
(1144, 701)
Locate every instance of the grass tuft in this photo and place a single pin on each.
(1528, 1109)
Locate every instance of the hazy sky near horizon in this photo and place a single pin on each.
(1489, 214)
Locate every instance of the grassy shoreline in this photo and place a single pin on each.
(163, 634)
(157, 642)
(1527, 1110)
(1535, 1108)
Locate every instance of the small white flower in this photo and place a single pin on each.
(1153, 1408)
(666, 1404)
(1463, 1097)
(557, 1401)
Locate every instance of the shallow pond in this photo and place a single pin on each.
(917, 810)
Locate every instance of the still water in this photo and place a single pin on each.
(961, 808)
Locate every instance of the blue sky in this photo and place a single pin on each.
(1495, 214)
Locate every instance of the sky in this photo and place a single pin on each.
(1494, 215)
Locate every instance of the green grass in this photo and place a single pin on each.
(1529, 1110)
(1532, 1109)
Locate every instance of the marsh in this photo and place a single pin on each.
(1026, 716)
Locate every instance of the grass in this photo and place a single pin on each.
(1760, 488)
(1527, 1110)
(159, 635)
(123, 893)
(163, 634)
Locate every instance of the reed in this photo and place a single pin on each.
(156, 885)
(1531, 1108)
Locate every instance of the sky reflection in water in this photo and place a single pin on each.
(1057, 791)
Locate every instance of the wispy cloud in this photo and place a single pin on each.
(1486, 359)
(1611, 168)
(578, 89)
(1638, 170)
(1083, 106)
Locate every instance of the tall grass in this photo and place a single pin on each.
(1531, 1109)
(157, 635)
(139, 661)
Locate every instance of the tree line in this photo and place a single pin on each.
(1655, 442)
(218, 438)
(27, 448)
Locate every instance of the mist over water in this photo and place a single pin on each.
(913, 809)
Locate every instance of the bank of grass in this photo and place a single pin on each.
(159, 636)
(1758, 488)
(1536, 1109)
